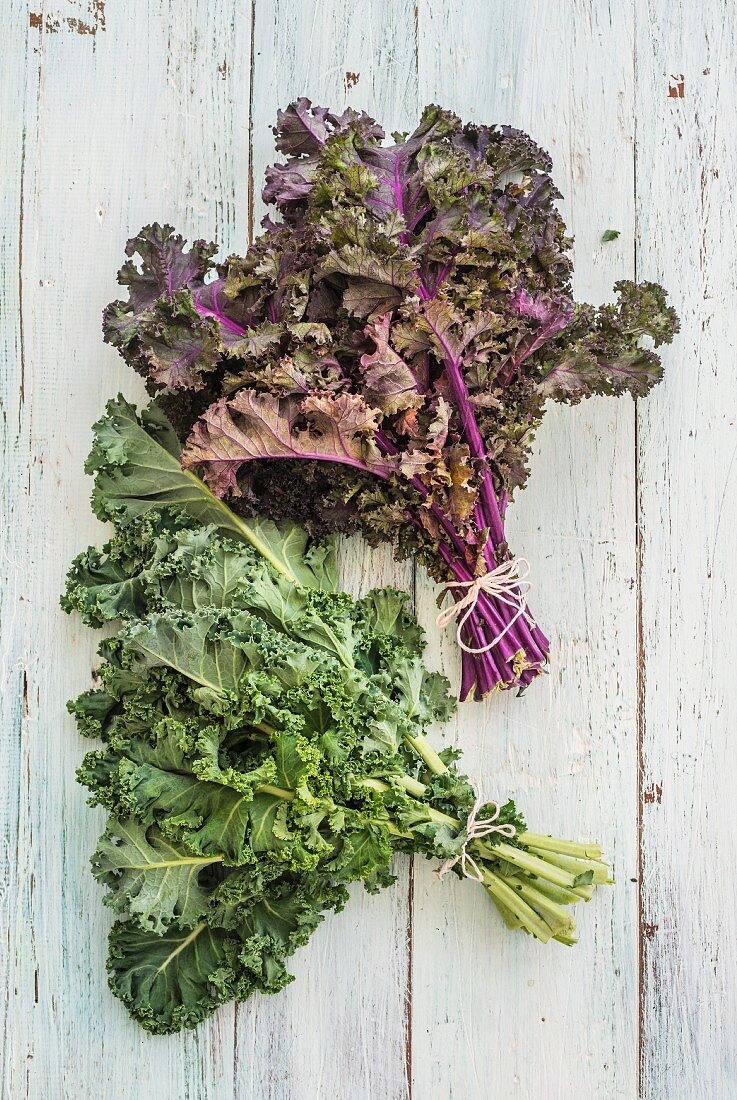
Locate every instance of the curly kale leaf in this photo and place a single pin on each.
(393, 266)
(603, 353)
(159, 329)
(173, 980)
(263, 738)
(136, 462)
(150, 879)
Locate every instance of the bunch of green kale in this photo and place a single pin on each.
(264, 743)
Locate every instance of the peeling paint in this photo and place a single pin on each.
(653, 794)
(676, 87)
(48, 23)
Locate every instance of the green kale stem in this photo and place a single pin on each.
(547, 864)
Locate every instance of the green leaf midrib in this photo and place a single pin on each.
(184, 944)
(229, 521)
(160, 864)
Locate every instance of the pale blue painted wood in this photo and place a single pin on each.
(13, 506)
(687, 171)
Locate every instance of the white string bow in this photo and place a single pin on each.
(507, 583)
(475, 830)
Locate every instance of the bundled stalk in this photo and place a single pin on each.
(264, 744)
(389, 346)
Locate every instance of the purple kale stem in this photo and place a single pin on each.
(473, 437)
(493, 613)
(473, 627)
(531, 639)
(468, 420)
(488, 495)
(483, 663)
(486, 614)
(489, 613)
(468, 678)
(442, 275)
(398, 198)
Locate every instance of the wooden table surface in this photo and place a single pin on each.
(117, 113)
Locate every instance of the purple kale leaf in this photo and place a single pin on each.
(260, 425)
(173, 326)
(602, 354)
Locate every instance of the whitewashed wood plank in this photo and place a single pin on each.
(687, 176)
(496, 1014)
(136, 121)
(13, 463)
(341, 1028)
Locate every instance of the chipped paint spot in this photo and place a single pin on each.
(676, 87)
(649, 930)
(653, 794)
(223, 68)
(51, 24)
(350, 80)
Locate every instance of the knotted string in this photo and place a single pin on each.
(507, 583)
(475, 830)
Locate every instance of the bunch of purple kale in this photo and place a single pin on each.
(389, 344)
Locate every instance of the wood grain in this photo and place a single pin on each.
(563, 1021)
(13, 504)
(117, 114)
(687, 174)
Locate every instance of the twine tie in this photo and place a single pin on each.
(507, 583)
(476, 829)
